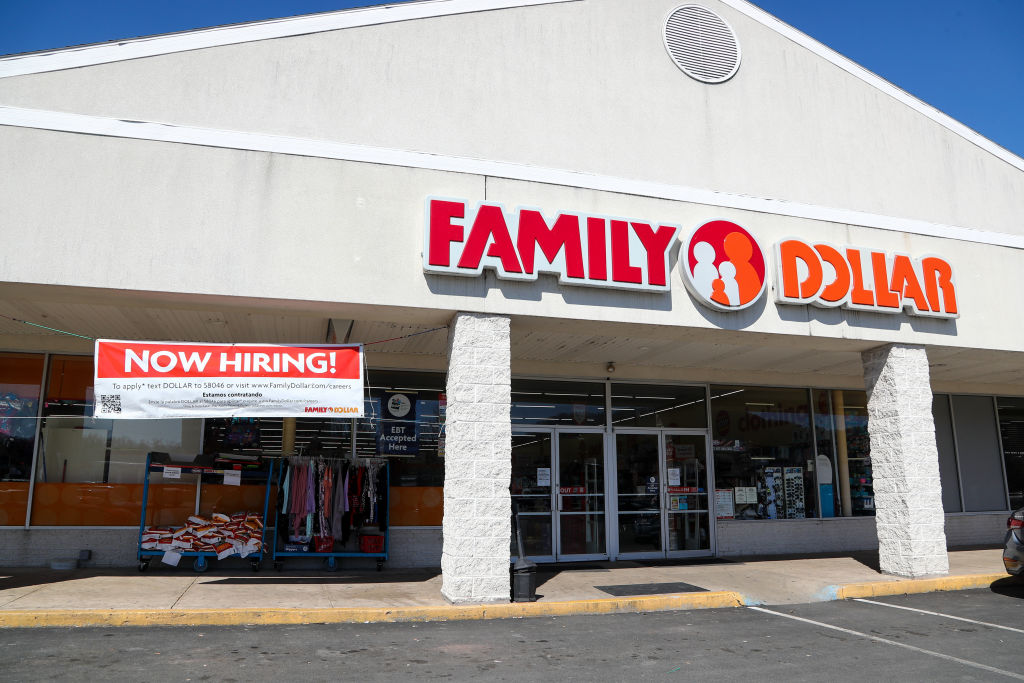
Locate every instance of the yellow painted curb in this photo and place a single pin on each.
(906, 586)
(278, 615)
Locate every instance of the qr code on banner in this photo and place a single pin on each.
(110, 403)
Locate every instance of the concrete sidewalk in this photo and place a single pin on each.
(34, 597)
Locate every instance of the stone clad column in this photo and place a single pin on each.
(477, 527)
(904, 462)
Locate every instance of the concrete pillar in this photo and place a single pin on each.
(477, 526)
(904, 462)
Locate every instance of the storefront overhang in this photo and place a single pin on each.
(540, 345)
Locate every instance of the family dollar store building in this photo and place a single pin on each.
(675, 279)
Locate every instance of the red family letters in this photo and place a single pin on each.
(584, 250)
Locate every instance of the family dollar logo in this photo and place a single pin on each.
(723, 266)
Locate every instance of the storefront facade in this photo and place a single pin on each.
(669, 308)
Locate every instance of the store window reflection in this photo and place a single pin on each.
(1011, 429)
(764, 451)
(554, 403)
(21, 378)
(404, 412)
(853, 453)
(662, 406)
(825, 467)
(89, 471)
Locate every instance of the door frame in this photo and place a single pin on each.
(553, 434)
(541, 432)
(709, 490)
(556, 474)
(613, 504)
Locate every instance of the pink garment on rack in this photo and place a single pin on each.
(310, 490)
(297, 509)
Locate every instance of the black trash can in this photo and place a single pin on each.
(524, 571)
(524, 581)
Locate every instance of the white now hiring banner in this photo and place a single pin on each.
(175, 379)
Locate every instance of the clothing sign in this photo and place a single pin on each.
(173, 380)
(396, 431)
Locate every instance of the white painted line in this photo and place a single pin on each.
(941, 614)
(940, 655)
(325, 149)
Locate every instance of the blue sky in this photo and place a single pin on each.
(964, 58)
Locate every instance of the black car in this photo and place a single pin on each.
(1013, 553)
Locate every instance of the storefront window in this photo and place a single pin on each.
(21, 377)
(402, 422)
(853, 453)
(1011, 429)
(90, 471)
(663, 406)
(764, 451)
(550, 403)
(825, 470)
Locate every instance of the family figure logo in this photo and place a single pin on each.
(724, 266)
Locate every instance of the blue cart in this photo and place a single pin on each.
(202, 558)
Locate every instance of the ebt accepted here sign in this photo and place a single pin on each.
(176, 380)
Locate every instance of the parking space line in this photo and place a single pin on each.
(965, 662)
(943, 615)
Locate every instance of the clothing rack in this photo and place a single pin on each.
(325, 506)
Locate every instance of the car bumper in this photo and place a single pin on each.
(1013, 552)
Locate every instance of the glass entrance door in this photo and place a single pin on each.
(531, 488)
(580, 501)
(686, 501)
(638, 476)
(558, 485)
(662, 498)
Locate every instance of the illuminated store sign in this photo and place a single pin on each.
(595, 251)
(722, 264)
(863, 279)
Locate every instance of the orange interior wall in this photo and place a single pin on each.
(13, 502)
(416, 505)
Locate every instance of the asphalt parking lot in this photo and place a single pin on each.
(974, 635)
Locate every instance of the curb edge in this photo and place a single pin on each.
(285, 616)
(908, 586)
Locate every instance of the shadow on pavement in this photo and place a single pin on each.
(1011, 586)
(324, 578)
(23, 578)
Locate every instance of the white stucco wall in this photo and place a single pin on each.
(584, 85)
(89, 211)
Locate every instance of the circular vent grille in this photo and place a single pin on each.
(702, 44)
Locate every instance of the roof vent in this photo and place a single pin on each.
(702, 44)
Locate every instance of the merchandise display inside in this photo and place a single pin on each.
(764, 440)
